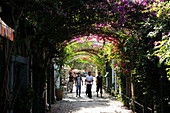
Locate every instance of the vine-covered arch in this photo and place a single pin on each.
(84, 56)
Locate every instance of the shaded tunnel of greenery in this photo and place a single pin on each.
(131, 36)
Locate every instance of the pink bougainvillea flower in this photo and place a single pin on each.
(158, 55)
(81, 41)
(95, 45)
(156, 43)
(115, 65)
(114, 49)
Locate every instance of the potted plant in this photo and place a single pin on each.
(59, 92)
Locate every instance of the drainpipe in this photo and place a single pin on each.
(113, 76)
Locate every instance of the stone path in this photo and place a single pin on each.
(83, 104)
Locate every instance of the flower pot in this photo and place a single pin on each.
(59, 94)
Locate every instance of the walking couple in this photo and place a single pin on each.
(88, 81)
(78, 81)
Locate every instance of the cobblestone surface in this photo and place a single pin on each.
(72, 104)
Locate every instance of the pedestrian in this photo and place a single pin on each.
(70, 82)
(78, 81)
(99, 83)
(89, 82)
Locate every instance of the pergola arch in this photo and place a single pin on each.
(93, 52)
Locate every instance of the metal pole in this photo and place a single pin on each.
(127, 91)
(115, 83)
(113, 76)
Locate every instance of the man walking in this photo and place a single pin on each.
(99, 83)
(78, 81)
(89, 82)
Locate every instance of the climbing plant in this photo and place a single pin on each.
(129, 31)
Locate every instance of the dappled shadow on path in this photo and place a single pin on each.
(83, 104)
(73, 104)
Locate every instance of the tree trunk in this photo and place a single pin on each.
(49, 76)
(36, 83)
(127, 91)
(39, 80)
(52, 85)
(4, 93)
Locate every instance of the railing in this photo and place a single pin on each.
(137, 107)
(149, 109)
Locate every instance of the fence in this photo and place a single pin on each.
(137, 107)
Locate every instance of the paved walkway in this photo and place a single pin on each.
(83, 104)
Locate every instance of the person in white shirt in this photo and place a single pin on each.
(89, 82)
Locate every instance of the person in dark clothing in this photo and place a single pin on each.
(78, 81)
(99, 83)
(70, 82)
